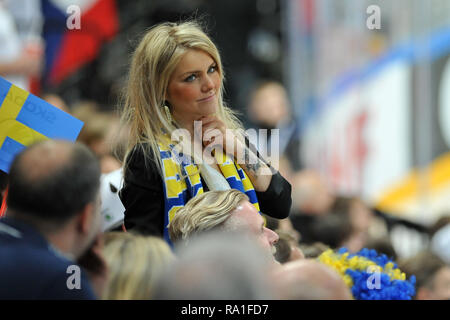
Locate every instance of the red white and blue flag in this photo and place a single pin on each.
(70, 45)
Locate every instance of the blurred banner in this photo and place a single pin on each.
(376, 116)
(74, 32)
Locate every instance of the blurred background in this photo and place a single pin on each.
(360, 91)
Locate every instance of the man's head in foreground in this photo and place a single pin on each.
(54, 186)
(218, 265)
(310, 280)
(228, 210)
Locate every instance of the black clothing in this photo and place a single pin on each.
(143, 196)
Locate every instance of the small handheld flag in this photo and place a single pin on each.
(25, 119)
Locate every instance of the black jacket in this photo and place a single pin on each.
(143, 196)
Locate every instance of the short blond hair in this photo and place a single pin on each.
(135, 263)
(207, 211)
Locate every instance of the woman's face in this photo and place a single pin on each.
(193, 90)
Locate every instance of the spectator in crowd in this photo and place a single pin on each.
(286, 226)
(283, 225)
(312, 199)
(360, 217)
(287, 248)
(440, 238)
(22, 49)
(53, 219)
(102, 135)
(135, 263)
(432, 275)
(98, 133)
(332, 230)
(271, 223)
(345, 224)
(384, 246)
(310, 280)
(268, 105)
(176, 81)
(282, 250)
(55, 100)
(228, 210)
(218, 265)
(313, 250)
(269, 108)
(312, 196)
(443, 221)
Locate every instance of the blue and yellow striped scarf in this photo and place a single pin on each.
(182, 181)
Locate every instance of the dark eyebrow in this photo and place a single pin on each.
(189, 72)
(197, 71)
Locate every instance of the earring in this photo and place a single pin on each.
(167, 111)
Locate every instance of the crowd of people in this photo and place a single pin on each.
(203, 218)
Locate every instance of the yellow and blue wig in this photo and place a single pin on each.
(369, 275)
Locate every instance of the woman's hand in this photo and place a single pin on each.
(215, 136)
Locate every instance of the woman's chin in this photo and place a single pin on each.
(208, 110)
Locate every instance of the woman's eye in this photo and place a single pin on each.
(212, 69)
(191, 78)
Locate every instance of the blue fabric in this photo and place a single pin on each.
(31, 269)
(49, 120)
(8, 150)
(27, 119)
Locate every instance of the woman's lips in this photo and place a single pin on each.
(207, 98)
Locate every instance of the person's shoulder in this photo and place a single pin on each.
(141, 164)
(71, 283)
(34, 272)
(65, 280)
(140, 154)
(24, 248)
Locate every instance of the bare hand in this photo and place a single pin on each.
(216, 135)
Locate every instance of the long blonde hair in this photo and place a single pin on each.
(135, 263)
(152, 65)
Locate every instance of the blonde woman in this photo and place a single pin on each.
(135, 263)
(176, 84)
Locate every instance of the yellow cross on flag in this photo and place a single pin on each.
(25, 119)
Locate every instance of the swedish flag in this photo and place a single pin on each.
(25, 119)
